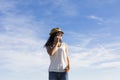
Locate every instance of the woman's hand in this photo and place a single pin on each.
(52, 51)
(57, 40)
(67, 69)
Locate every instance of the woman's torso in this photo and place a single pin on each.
(58, 61)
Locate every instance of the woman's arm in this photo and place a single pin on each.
(68, 60)
(52, 50)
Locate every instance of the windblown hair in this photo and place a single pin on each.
(50, 40)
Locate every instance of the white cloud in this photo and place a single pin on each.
(96, 18)
(110, 64)
(20, 47)
(24, 61)
(93, 53)
(93, 57)
(80, 40)
(20, 54)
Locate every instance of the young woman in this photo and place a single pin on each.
(58, 52)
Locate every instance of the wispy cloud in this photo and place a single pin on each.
(95, 18)
(93, 54)
(22, 50)
(80, 39)
(19, 61)
(92, 58)
(115, 64)
(20, 47)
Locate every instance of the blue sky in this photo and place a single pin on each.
(92, 32)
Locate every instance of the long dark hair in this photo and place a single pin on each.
(50, 40)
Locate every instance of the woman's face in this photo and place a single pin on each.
(59, 34)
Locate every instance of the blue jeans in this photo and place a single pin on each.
(58, 76)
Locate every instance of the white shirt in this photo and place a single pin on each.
(58, 62)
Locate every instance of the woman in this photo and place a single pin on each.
(58, 52)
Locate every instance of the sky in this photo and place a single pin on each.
(92, 33)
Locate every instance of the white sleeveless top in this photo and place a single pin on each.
(58, 62)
